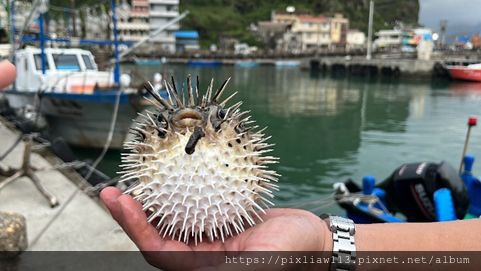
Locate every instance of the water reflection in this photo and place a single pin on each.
(465, 88)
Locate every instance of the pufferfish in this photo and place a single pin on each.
(201, 170)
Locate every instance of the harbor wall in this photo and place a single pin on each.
(396, 68)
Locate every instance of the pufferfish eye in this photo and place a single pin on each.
(221, 113)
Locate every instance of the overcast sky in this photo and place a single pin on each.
(455, 11)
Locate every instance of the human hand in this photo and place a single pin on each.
(282, 230)
(8, 73)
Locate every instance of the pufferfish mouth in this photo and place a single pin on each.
(187, 117)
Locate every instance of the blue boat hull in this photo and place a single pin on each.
(247, 64)
(205, 63)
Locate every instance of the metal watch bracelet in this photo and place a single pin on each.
(344, 249)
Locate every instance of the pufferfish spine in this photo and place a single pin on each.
(200, 168)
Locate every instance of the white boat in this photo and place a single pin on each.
(77, 99)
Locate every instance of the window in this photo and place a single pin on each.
(66, 62)
(38, 62)
(88, 62)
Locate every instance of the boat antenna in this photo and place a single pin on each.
(471, 123)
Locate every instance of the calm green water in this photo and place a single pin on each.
(329, 129)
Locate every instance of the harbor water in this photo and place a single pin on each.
(327, 129)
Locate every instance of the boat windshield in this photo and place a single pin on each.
(88, 62)
(38, 62)
(66, 62)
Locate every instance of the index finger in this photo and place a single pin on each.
(8, 72)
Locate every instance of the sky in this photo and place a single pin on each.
(454, 11)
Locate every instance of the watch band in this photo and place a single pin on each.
(344, 249)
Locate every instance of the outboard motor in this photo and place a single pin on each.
(410, 190)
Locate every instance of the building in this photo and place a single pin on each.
(314, 32)
(186, 40)
(272, 34)
(338, 31)
(388, 39)
(296, 31)
(161, 12)
(355, 39)
(136, 26)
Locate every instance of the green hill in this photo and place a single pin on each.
(231, 18)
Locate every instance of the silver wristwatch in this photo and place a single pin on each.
(344, 249)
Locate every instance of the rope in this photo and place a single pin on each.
(76, 192)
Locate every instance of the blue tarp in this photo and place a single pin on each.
(186, 34)
(462, 39)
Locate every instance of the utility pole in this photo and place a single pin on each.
(369, 32)
(442, 31)
(74, 18)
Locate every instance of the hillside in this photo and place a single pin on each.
(217, 18)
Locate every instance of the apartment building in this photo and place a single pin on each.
(313, 31)
(161, 12)
(136, 26)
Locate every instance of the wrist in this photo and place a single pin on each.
(327, 240)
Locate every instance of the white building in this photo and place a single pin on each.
(388, 39)
(355, 39)
(160, 12)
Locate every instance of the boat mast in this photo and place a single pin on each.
(369, 33)
(42, 44)
(116, 44)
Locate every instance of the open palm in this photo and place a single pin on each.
(282, 230)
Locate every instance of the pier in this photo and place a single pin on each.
(390, 67)
(382, 64)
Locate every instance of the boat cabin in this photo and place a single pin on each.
(65, 70)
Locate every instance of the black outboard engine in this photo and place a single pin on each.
(410, 190)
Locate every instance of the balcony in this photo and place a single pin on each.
(164, 14)
(174, 27)
(164, 2)
(163, 39)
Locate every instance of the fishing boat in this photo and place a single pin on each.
(77, 99)
(287, 63)
(471, 72)
(415, 192)
(247, 64)
(85, 106)
(204, 62)
(147, 62)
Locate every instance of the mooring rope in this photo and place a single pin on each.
(92, 169)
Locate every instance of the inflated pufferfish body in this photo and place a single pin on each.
(199, 166)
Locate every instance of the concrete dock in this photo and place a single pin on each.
(84, 225)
